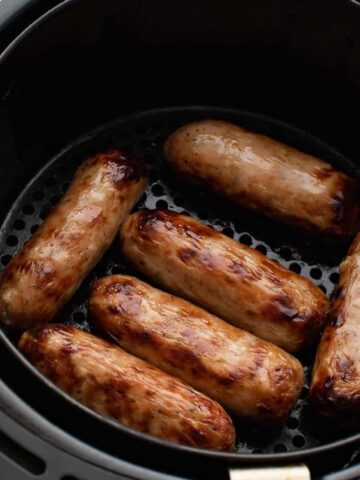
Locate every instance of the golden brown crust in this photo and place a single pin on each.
(231, 280)
(335, 388)
(248, 376)
(265, 175)
(42, 277)
(127, 389)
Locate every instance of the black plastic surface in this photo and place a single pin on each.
(15, 15)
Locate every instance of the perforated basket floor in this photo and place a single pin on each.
(143, 135)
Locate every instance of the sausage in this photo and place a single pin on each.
(335, 386)
(229, 279)
(248, 376)
(267, 176)
(43, 276)
(127, 389)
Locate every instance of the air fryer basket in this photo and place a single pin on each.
(86, 74)
(143, 135)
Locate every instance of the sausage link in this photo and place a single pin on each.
(127, 389)
(335, 387)
(248, 376)
(231, 280)
(43, 276)
(265, 175)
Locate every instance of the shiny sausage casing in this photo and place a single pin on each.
(42, 277)
(231, 280)
(265, 175)
(335, 387)
(127, 389)
(248, 376)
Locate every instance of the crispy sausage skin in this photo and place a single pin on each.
(335, 388)
(231, 280)
(265, 175)
(127, 389)
(248, 376)
(42, 277)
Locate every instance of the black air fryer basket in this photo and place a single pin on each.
(90, 75)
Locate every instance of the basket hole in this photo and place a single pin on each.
(257, 450)
(19, 224)
(44, 213)
(322, 288)
(28, 209)
(38, 195)
(295, 267)
(79, 317)
(262, 249)
(229, 232)
(180, 202)
(12, 240)
(157, 124)
(141, 128)
(49, 182)
(79, 299)
(54, 200)
(62, 169)
(5, 259)
(239, 226)
(306, 411)
(21, 456)
(153, 175)
(144, 143)
(246, 239)
(334, 278)
(292, 422)
(186, 213)
(158, 140)
(77, 158)
(34, 228)
(162, 204)
(127, 149)
(203, 214)
(149, 158)
(157, 190)
(280, 448)
(121, 133)
(315, 273)
(298, 441)
(118, 269)
(285, 253)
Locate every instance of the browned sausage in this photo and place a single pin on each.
(335, 388)
(48, 270)
(264, 175)
(127, 389)
(248, 376)
(233, 281)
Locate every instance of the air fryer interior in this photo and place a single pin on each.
(96, 61)
(143, 136)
